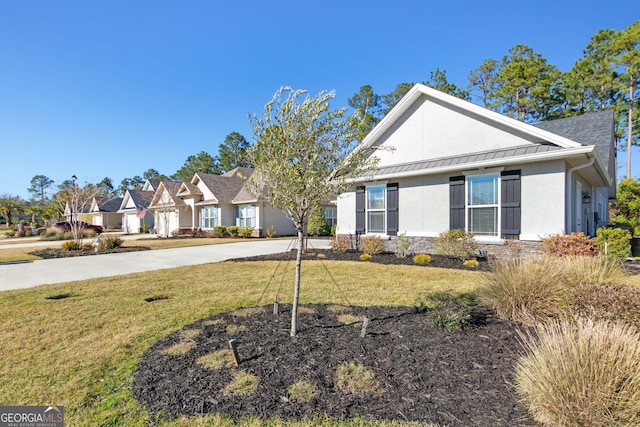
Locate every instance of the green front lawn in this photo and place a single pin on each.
(77, 344)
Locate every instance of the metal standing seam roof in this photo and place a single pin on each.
(470, 158)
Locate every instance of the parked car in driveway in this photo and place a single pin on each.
(66, 226)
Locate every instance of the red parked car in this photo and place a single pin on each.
(66, 226)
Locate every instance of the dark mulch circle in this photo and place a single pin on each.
(425, 373)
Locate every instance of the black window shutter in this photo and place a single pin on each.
(392, 209)
(510, 204)
(360, 210)
(456, 203)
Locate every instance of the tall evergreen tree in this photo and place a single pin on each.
(39, 188)
(525, 84)
(232, 153)
(199, 163)
(482, 83)
(366, 103)
(438, 80)
(392, 98)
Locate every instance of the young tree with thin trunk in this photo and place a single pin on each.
(303, 155)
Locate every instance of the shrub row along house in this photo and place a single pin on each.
(450, 164)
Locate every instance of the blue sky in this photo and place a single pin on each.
(111, 89)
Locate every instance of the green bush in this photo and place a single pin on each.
(582, 373)
(219, 231)
(456, 243)
(372, 245)
(614, 242)
(447, 311)
(10, 233)
(317, 225)
(422, 259)
(72, 245)
(245, 231)
(233, 230)
(569, 244)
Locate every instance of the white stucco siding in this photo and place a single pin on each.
(430, 130)
(542, 200)
(423, 205)
(346, 213)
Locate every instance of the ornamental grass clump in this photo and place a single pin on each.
(582, 373)
(526, 290)
(607, 302)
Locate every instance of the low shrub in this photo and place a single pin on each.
(447, 311)
(219, 231)
(72, 245)
(145, 228)
(456, 243)
(422, 259)
(270, 231)
(569, 244)
(607, 302)
(10, 233)
(245, 231)
(233, 230)
(317, 225)
(614, 243)
(403, 246)
(583, 373)
(342, 243)
(112, 242)
(365, 257)
(471, 263)
(372, 245)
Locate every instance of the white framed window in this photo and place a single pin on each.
(246, 216)
(331, 216)
(483, 201)
(208, 217)
(376, 209)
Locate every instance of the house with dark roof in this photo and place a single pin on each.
(104, 212)
(210, 200)
(445, 163)
(135, 207)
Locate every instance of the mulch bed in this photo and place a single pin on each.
(50, 253)
(387, 258)
(425, 373)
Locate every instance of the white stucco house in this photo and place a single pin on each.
(450, 164)
(210, 200)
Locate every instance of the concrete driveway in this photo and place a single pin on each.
(49, 271)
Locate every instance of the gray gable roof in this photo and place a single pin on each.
(108, 205)
(228, 187)
(142, 199)
(588, 129)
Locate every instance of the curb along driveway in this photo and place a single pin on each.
(49, 271)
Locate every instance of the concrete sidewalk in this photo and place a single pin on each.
(48, 271)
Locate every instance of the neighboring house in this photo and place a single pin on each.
(134, 207)
(445, 163)
(216, 200)
(80, 213)
(171, 213)
(104, 212)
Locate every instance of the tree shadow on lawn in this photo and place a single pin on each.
(421, 372)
